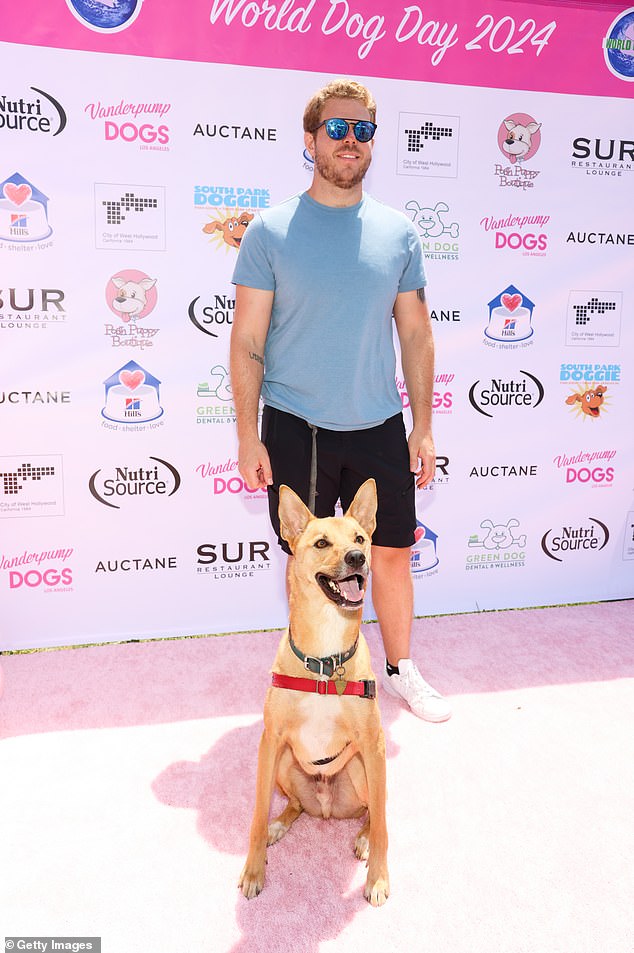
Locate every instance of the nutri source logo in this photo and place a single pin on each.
(40, 113)
(504, 394)
(139, 123)
(213, 313)
(31, 307)
(31, 486)
(47, 570)
(105, 16)
(121, 485)
(524, 233)
(439, 234)
(428, 145)
(23, 215)
(618, 46)
(519, 138)
(130, 216)
(594, 318)
(510, 317)
(577, 539)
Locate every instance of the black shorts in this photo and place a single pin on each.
(345, 459)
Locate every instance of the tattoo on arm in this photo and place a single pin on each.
(256, 357)
(421, 294)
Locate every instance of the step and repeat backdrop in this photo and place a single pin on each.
(138, 141)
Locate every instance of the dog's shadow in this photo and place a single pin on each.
(312, 873)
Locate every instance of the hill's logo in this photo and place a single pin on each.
(559, 543)
(510, 317)
(132, 396)
(23, 214)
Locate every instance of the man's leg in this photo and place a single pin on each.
(393, 598)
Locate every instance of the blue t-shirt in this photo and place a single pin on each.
(329, 354)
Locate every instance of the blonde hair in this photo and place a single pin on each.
(337, 89)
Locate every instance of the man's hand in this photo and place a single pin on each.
(422, 457)
(254, 464)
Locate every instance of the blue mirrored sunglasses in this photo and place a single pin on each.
(338, 128)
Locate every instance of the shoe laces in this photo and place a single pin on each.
(416, 684)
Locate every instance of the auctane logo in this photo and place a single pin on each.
(575, 538)
(146, 482)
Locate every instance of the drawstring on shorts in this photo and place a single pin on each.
(312, 488)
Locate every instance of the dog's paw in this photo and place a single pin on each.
(251, 882)
(377, 893)
(277, 829)
(362, 846)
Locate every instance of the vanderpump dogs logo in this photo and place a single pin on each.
(132, 122)
(36, 308)
(524, 233)
(213, 313)
(132, 398)
(131, 295)
(24, 224)
(31, 485)
(130, 217)
(223, 479)
(442, 397)
(618, 46)
(506, 394)
(575, 539)
(105, 16)
(228, 210)
(233, 559)
(48, 570)
(424, 552)
(215, 398)
(594, 318)
(603, 157)
(146, 482)
(510, 319)
(519, 138)
(38, 112)
(586, 468)
(499, 546)
(438, 230)
(428, 145)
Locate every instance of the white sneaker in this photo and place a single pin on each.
(410, 685)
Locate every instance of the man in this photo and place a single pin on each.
(318, 279)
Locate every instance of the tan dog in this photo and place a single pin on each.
(322, 742)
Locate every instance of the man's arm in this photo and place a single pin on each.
(413, 325)
(251, 320)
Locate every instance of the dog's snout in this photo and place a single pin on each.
(355, 559)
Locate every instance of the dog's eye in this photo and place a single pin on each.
(359, 539)
(321, 543)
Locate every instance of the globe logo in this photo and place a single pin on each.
(618, 46)
(105, 16)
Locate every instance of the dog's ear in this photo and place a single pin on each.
(294, 516)
(363, 507)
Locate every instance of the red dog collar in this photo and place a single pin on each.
(364, 689)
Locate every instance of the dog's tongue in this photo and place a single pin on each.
(351, 589)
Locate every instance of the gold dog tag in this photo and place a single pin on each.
(340, 685)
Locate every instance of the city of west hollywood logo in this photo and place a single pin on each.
(41, 113)
(594, 318)
(510, 317)
(129, 216)
(428, 145)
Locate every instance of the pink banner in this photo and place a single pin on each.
(582, 47)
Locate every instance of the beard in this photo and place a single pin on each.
(343, 178)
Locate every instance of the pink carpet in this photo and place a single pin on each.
(128, 780)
